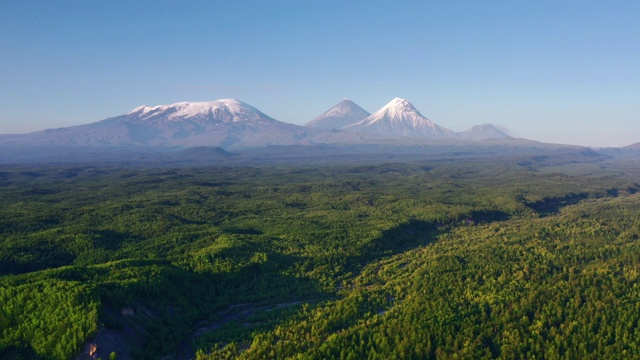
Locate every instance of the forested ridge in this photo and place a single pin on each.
(464, 259)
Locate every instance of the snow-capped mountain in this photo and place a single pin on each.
(399, 118)
(345, 113)
(232, 124)
(228, 123)
(219, 111)
(483, 132)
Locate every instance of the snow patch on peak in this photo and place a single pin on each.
(144, 109)
(399, 118)
(397, 100)
(399, 105)
(139, 108)
(399, 110)
(226, 110)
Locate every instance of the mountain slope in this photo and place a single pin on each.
(399, 118)
(634, 146)
(344, 113)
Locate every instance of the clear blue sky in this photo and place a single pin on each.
(553, 71)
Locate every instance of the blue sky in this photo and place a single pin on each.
(554, 71)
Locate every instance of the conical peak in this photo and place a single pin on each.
(346, 103)
(399, 118)
(483, 132)
(342, 114)
(346, 107)
(399, 103)
(398, 108)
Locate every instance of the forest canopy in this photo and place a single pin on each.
(434, 259)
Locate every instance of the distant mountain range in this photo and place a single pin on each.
(398, 119)
(230, 123)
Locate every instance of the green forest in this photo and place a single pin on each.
(475, 258)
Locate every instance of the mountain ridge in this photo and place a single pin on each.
(233, 124)
(225, 122)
